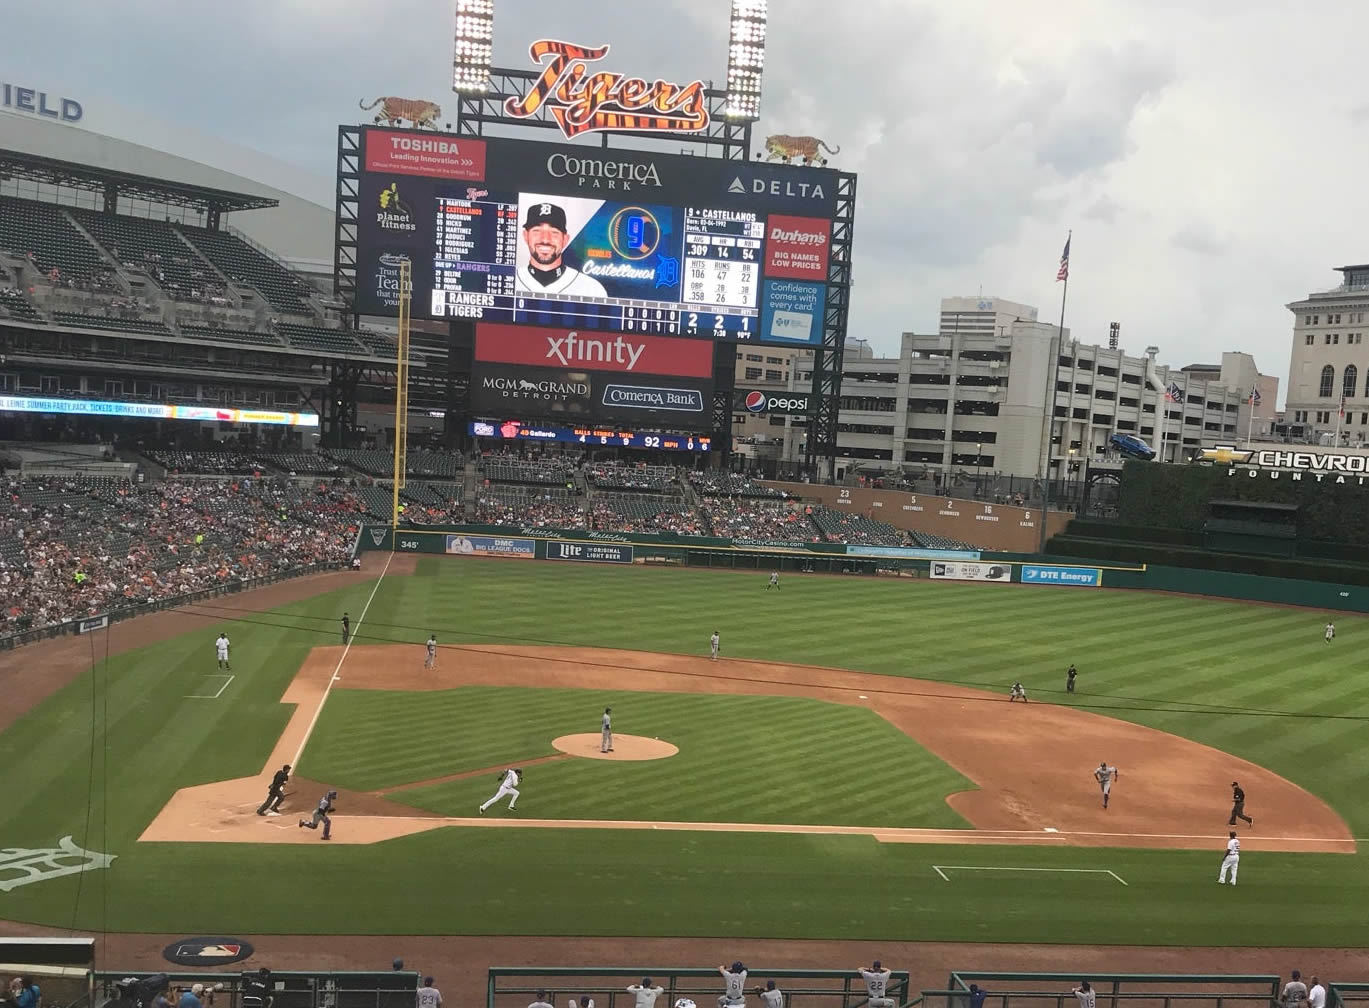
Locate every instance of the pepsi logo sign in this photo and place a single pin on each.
(783, 403)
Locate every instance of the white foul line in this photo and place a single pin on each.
(211, 696)
(346, 648)
(1077, 871)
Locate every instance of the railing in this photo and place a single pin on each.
(289, 989)
(101, 620)
(801, 988)
(1152, 990)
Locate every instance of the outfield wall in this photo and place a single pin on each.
(1028, 569)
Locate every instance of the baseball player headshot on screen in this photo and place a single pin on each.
(546, 235)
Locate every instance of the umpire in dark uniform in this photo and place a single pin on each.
(1238, 805)
(276, 794)
(347, 627)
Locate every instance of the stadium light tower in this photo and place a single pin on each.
(474, 46)
(745, 60)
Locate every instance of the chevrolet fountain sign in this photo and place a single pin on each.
(1282, 463)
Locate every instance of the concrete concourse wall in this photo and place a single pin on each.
(988, 526)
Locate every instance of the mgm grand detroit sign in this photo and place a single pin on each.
(1283, 463)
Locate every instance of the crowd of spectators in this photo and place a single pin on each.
(716, 483)
(756, 520)
(504, 506)
(644, 513)
(618, 476)
(76, 548)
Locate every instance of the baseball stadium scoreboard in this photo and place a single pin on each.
(633, 241)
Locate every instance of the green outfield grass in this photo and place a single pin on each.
(741, 759)
(1258, 682)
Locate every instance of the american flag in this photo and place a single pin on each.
(1174, 393)
(1064, 272)
(1342, 405)
(1254, 396)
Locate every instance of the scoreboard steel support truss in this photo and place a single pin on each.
(827, 361)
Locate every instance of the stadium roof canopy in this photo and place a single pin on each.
(70, 175)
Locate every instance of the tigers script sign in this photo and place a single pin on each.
(582, 102)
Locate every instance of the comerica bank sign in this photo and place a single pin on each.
(21, 98)
(1279, 463)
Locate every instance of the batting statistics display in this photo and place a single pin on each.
(516, 231)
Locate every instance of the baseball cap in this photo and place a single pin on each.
(545, 213)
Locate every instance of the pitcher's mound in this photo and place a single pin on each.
(625, 747)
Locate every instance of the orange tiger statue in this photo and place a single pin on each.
(786, 148)
(397, 110)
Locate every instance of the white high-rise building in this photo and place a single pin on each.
(1329, 363)
(974, 397)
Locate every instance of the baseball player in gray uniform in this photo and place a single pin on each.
(606, 732)
(543, 1001)
(877, 985)
(325, 805)
(645, 993)
(508, 785)
(713, 643)
(771, 996)
(1105, 775)
(734, 992)
(431, 662)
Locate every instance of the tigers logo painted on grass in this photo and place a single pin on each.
(21, 866)
(207, 951)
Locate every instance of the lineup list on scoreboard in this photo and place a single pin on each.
(476, 247)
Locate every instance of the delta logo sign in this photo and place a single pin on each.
(582, 102)
(1278, 463)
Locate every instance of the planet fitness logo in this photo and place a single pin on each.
(755, 402)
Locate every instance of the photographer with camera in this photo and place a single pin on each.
(24, 993)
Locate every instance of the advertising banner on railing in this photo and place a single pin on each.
(522, 549)
(559, 549)
(1082, 577)
(951, 571)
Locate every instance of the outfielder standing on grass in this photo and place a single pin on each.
(1070, 674)
(1232, 862)
(774, 581)
(877, 985)
(1105, 775)
(221, 649)
(713, 646)
(1330, 632)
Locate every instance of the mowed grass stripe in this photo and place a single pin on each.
(763, 759)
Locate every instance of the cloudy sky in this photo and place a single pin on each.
(1204, 153)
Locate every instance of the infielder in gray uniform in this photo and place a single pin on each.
(877, 984)
(606, 732)
(771, 996)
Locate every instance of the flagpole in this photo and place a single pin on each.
(1340, 415)
(1050, 398)
(1250, 421)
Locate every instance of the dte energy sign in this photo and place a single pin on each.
(19, 98)
(1081, 577)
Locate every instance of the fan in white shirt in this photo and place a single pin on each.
(645, 993)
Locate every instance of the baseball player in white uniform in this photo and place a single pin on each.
(428, 996)
(508, 785)
(771, 996)
(1019, 692)
(877, 985)
(543, 1001)
(1105, 775)
(713, 643)
(1330, 632)
(645, 993)
(545, 233)
(221, 649)
(606, 731)
(734, 979)
(1232, 861)
(1084, 994)
(431, 662)
(774, 581)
